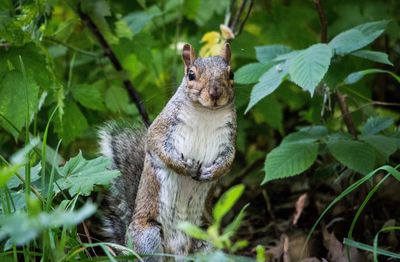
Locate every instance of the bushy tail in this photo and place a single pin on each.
(125, 145)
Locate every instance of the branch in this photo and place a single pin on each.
(234, 22)
(323, 21)
(344, 108)
(117, 65)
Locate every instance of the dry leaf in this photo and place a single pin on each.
(300, 204)
(226, 32)
(336, 250)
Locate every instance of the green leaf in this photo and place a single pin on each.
(73, 123)
(357, 76)
(310, 66)
(265, 54)
(65, 29)
(202, 11)
(231, 229)
(384, 145)
(35, 60)
(80, 175)
(16, 94)
(357, 37)
(251, 73)
(138, 20)
(226, 202)
(377, 124)
(290, 159)
(21, 228)
(34, 175)
(353, 154)
(88, 96)
(269, 81)
(117, 99)
(193, 230)
(379, 57)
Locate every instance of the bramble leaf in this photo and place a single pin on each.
(80, 175)
(357, 37)
(289, 159)
(309, 66)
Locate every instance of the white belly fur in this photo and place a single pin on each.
(181, 198)
(202, 133)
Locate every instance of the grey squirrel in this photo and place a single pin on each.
(169, 169)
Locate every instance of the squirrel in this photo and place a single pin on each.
(168, 171)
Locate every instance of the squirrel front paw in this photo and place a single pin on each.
(192, 166)
(206, 173)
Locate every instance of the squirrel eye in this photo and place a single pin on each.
(191, 75)
(231, 75)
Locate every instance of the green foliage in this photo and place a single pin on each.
(20, 228)
(357, 37)
(309, 66)
(80, 176)
(355, 155)
(50, 59)
(213, 235)
(290, 159)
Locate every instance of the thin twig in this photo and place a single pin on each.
(377, 103)
(234, 22)
(78, 50)
(116, 63)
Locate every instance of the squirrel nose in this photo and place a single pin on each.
(214, 93)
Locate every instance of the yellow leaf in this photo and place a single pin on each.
(211, 37)
(213, 44)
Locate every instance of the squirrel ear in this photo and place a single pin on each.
(188, 55)
(226, 52)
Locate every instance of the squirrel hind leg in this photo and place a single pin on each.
(146, 240)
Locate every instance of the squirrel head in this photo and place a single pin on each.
(209, 80)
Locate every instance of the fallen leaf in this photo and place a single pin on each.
(300, 204)
(336, 251)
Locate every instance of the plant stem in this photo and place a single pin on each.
(344, 107)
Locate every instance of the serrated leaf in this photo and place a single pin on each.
(80, 175)
(34, 176)
(88, 96)
(269, 81)
(310, 66)
(19, 97)
(265, 54)
(21, 227)
(226, 202)
(357, 37)
(375, 56)
(353, 154)
(251, 73)
(357, 76)
(384, 145)
(290, 159)
(193, 230)
(377, 124)
(117, 99)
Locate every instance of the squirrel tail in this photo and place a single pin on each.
(125, 146)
